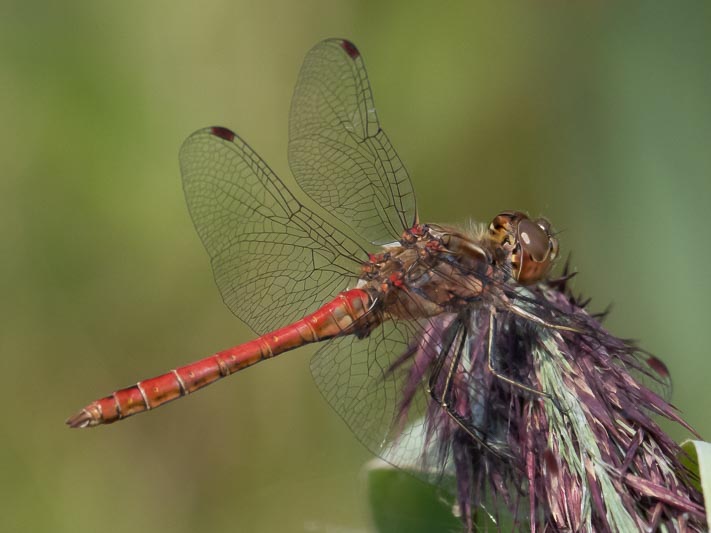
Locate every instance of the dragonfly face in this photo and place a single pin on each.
(532, 245)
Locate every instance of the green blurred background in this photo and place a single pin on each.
(598, 116)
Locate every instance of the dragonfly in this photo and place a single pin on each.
(449, 347)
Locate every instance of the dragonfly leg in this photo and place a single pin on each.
(434, 376)
(538, 320)
(511, 381)
(444, 399)
(490, 362)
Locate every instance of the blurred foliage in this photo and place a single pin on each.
(400, 502)
(595, 114)
(698, 462)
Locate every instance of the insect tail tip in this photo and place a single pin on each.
(82, 419)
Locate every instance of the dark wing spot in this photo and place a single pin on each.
(659, 367)
(222, 133)
(350, 49)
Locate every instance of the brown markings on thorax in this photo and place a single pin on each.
(432, 270)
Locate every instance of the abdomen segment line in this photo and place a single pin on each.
(143, 394)
(183, 390)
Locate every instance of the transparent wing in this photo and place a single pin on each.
(390, 389)
(649, 371)
(363, 382)
(273, 259)
(337, 151)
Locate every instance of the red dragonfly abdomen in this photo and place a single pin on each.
(333, 319)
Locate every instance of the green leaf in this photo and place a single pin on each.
(400, 502)
(698, 461)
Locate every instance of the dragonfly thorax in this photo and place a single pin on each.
(432, 270)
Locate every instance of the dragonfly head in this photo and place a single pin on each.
(532, 245)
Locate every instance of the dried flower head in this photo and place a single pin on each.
(556, 425)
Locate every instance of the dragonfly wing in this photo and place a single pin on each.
(379, 386)
(274, 260)
(646, 369)
(337, 150)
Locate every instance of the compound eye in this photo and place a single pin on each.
(553, 248)
(534, 240)
(544, 225)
